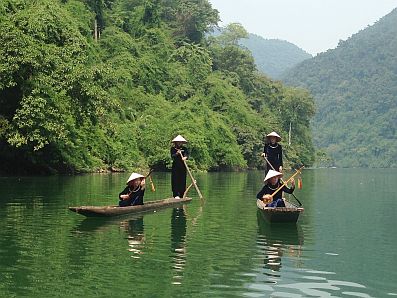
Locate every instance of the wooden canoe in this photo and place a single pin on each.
(106, 211)
(289, 213)
(279, 234)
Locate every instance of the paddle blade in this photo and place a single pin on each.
(152, 184)
(299, 183)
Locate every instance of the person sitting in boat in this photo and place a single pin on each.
(272, 183)
(133, 194)
(179, 154)
(273, 152)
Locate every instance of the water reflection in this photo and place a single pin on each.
(136, 235)
(42, 243)
(133, 226)
(89, 225)
(178, 243)
(278, 241)
(281, 247)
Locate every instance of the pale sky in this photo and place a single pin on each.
(313, 25)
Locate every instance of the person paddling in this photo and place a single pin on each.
(179, 154)
(273, 152)
(272, 183)
(133, 194)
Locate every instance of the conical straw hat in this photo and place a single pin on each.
(179, 138)
(272, 174)
(135, 176)
(274, 134)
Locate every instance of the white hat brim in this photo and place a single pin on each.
(272, 174)
(179, 138)
(134, 176)
(274, 134)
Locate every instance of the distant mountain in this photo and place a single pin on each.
(274, 56)
(355, 89)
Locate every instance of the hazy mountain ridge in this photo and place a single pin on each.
(355, 88)
(274, 56)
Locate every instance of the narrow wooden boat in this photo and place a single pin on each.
(279, 234)
(289, 213)
(106, 211)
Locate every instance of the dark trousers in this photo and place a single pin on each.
(178, 181)
(276, 203)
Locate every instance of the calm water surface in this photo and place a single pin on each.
(344, 245)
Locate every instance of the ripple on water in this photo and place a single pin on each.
(323, 287)
(218, 249)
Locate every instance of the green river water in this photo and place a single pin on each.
(344, 244)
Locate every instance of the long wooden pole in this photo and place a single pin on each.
(268, 162)
(193, 180)
(285, 183)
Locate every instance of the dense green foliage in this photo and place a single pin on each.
(72, 104)
(356, 94)
(274, 56)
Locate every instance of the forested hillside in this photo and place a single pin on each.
(355, 89)
(76, 98)
(274, 56)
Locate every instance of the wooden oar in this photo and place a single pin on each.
(285, 183)
(151, 183)
(268, 162)
(151, 180)
(191, 176)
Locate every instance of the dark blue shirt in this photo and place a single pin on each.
(177, 161)
(274, 154)
(269, 189)
(135, 197)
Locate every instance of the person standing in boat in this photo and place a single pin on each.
(272, 183)
(273, 152)
(133, 194)
(179, 154)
